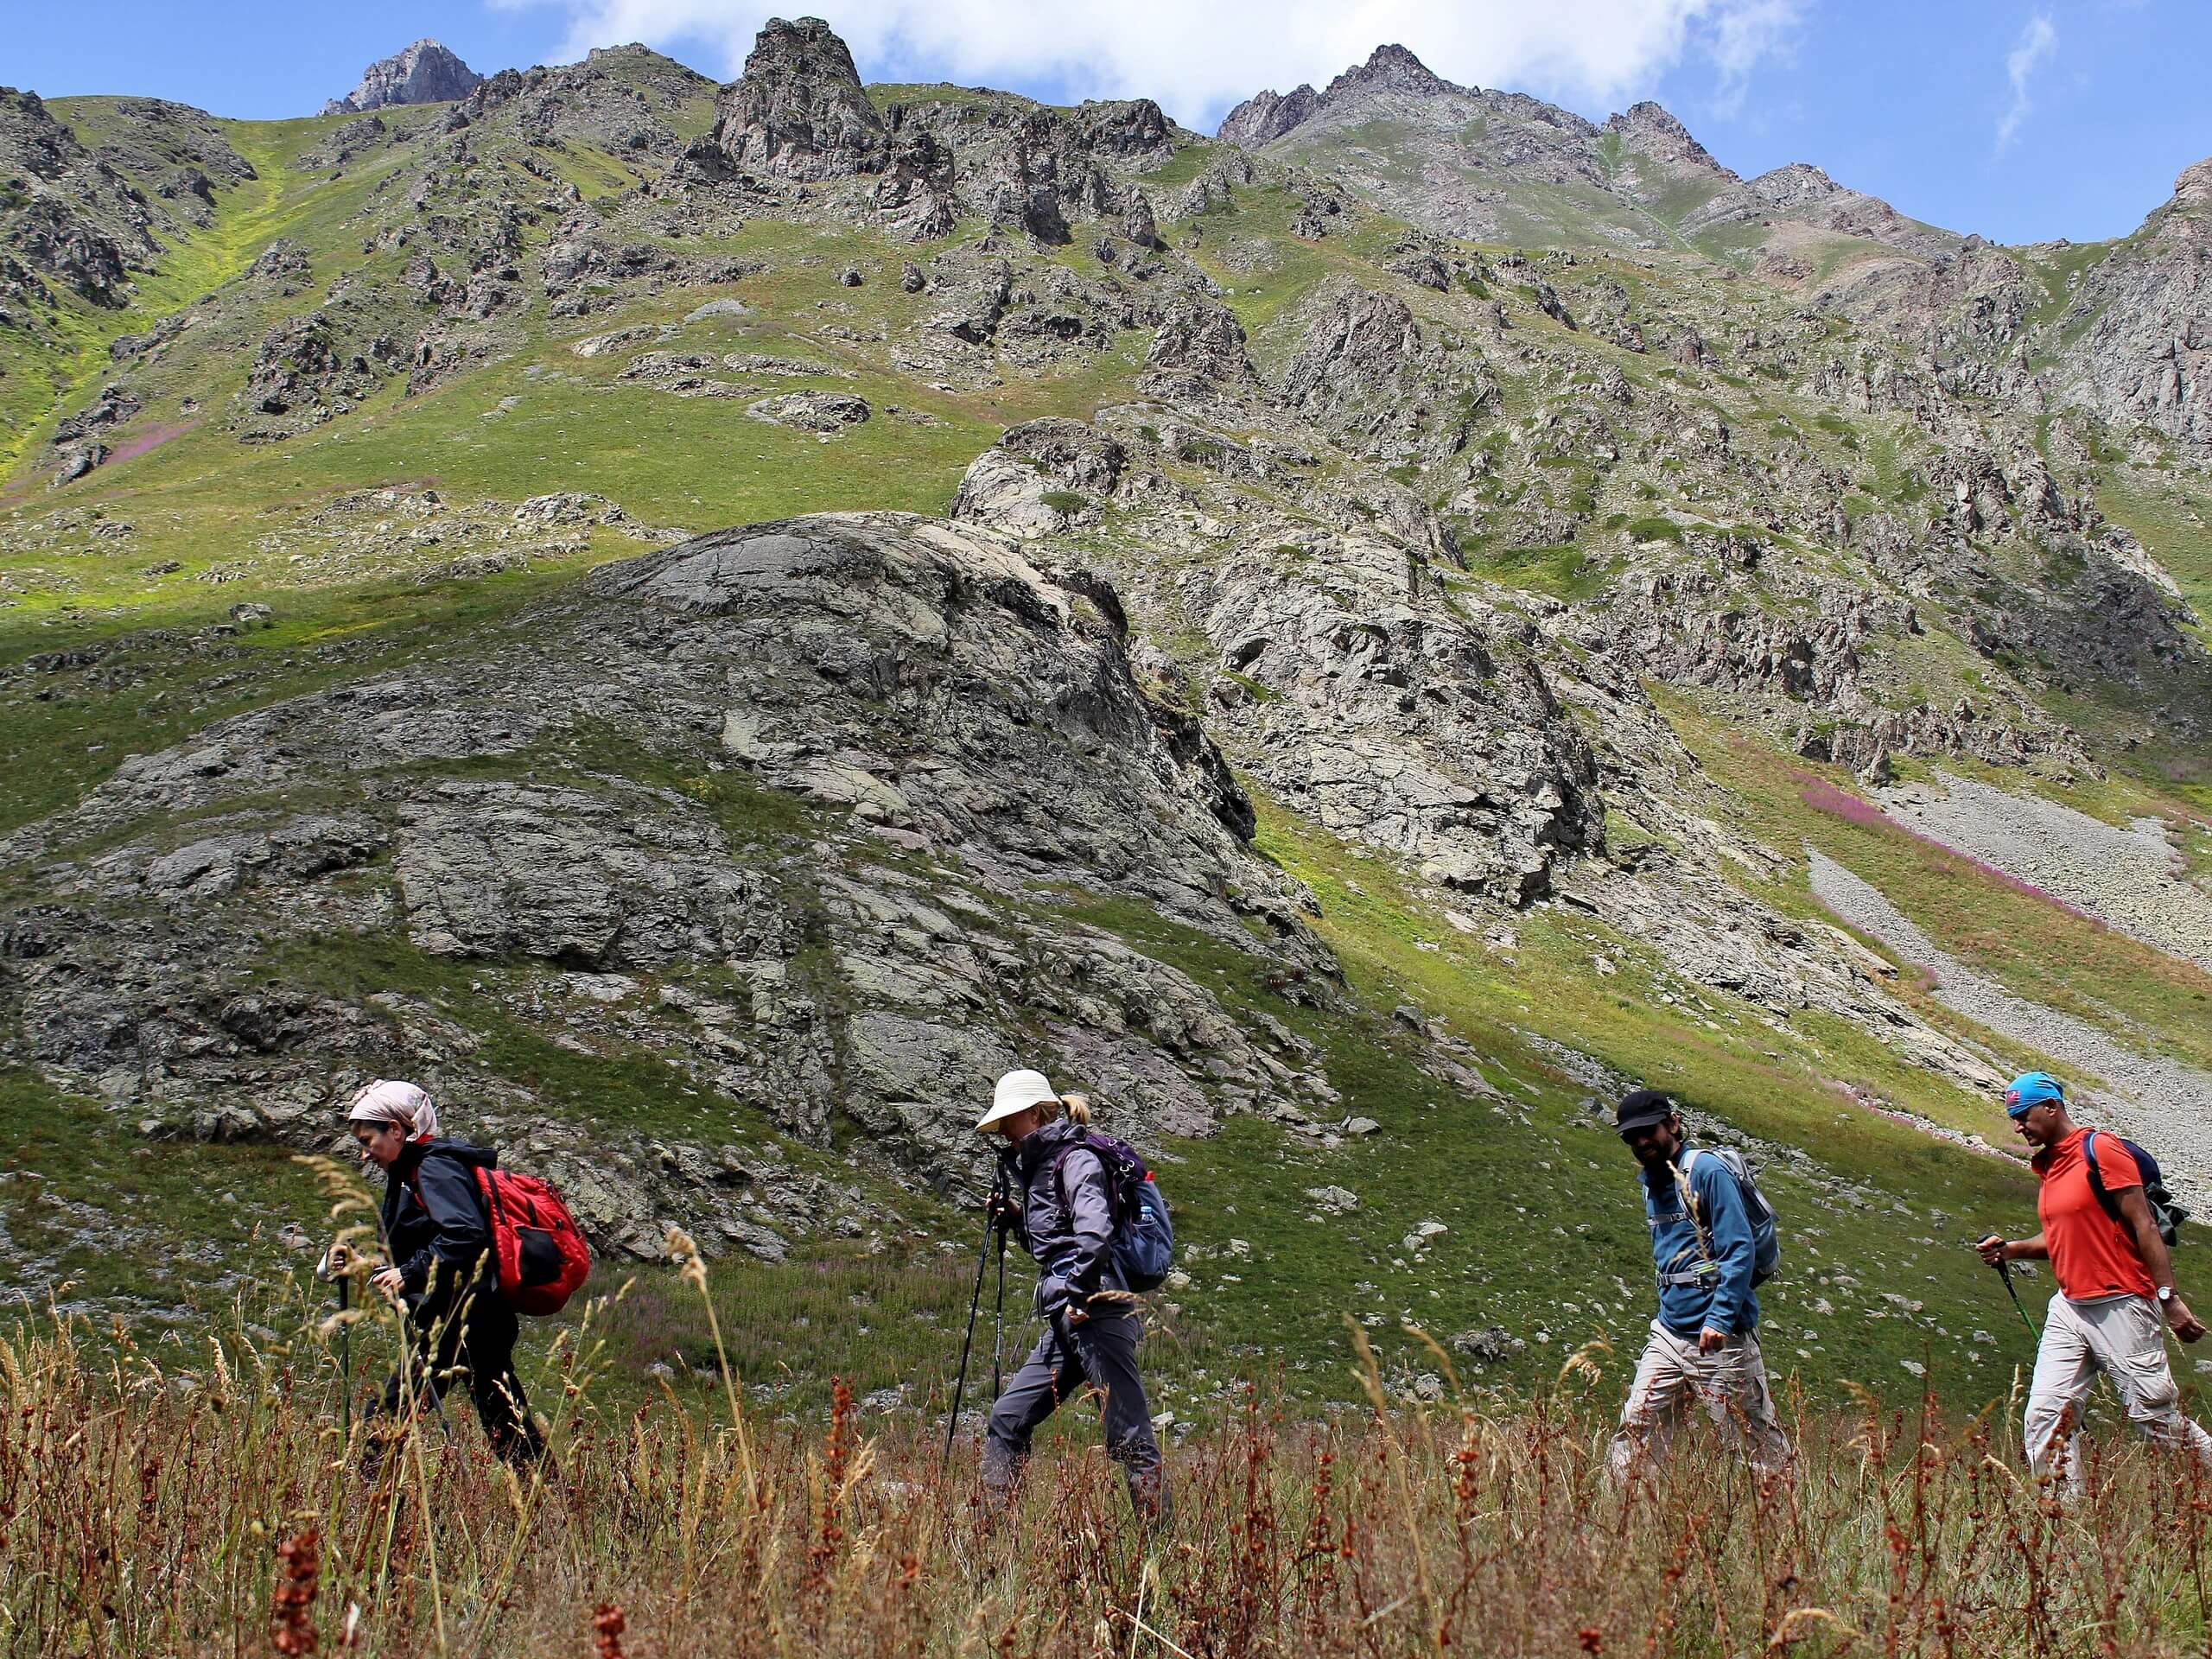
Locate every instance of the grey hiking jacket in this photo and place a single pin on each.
(1066, 1221)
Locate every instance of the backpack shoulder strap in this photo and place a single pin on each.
(2109, 1203)
(1080, 1141)
(1060, 1156)
(1688, 1167)
(487, 1178)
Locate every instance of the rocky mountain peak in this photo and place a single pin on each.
(1267, 116)
(799, 108)
(1389, 68)
(426, 73)
(1653, 130)
(2194, 187)
(1795, 183)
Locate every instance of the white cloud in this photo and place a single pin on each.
(1197, 59)
(1744, 36)
(2037, 42)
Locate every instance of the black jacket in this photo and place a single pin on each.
(434, 1214)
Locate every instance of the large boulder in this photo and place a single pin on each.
(1040, 477)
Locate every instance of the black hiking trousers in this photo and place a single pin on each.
(475, 1345)
(1103, 1352)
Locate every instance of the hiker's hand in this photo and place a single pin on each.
(2186, 1324)
(1079, 1313)
(1993, 1250)
(390, 1281)
(1710, 1341)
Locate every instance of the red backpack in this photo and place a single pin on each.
(540, 1250)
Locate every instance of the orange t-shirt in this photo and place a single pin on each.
(2091, 1255)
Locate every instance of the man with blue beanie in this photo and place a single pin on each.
(1703, 1345)
(2115, 1296)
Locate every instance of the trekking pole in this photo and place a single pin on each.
(2005, 1272)
(975, 1301)
(345, 1358)
(998, 1327)
(336, 1265)
(1000, 1192)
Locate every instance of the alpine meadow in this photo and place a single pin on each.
(1537, 793)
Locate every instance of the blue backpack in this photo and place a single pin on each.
(1144, 1233)
(2165, 1214)
(1766, 1238)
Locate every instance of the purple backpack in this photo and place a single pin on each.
(1144, 1233)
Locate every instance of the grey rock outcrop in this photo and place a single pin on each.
(1364, 366)
(425, 73)
(2137, 338)
(798, 111)
(70, 218)
(1802, 193)
(1416, 732)
(1651, 130)
(1266, 117)
(799, 116)
(901, 740)
(1039, 478)
(1198, 353)
(813, 412)
(1043, 169)
(1388, 69)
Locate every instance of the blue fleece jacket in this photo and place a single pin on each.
(1716, 1246)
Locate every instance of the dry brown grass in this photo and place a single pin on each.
(158, 1508)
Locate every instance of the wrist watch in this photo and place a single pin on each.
(2165, 1294)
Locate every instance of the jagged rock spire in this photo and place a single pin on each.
(799, 110)
(426, 73)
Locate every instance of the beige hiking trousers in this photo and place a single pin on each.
(2124, 1336)
(1729, 1384)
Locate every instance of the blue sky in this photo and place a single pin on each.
(2022, 119)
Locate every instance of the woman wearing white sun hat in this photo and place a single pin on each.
(1061, 1208)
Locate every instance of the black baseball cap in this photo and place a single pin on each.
(1641, 1108)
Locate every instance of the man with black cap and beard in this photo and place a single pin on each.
(1702, 1347)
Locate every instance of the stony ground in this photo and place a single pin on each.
(2131, 879)
(2158, 1102)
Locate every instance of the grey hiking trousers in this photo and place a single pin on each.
(2124, 1336)
(1101, 1351)
(1729, 1385)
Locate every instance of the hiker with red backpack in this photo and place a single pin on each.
(468, 1246)
(1088, 1211)
(2107, 1222)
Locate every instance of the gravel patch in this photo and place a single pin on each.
(2164, 1105)
(2125, 878)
